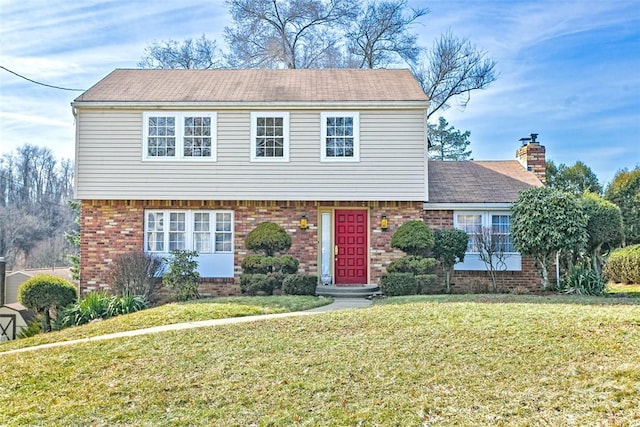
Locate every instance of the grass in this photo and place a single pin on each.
(619, 288)
(468, 360)
(204, 309)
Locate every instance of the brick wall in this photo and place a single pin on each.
(112, 227)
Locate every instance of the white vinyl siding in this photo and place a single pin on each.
(392, 164)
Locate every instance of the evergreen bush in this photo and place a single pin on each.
(269, 238)
(182, 276)
(413, 238)
(299, 284)
(413, 264)
(396, 284)
(45, 294)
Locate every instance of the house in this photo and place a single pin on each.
(195, 159)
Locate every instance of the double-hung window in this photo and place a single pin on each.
(179, 136)
(340, 136)
(208, 232)
(201, 231)
(270, 136)
(487, 228)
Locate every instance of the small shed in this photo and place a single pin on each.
(13, 318)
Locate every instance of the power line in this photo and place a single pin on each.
(40, 83)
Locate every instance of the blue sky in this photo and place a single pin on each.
(569, 70)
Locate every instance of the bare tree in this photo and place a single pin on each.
(451, 70)
(286, 34)
(381, 37)
(492, 250)
(201, 53)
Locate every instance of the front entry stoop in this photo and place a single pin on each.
(360, 291)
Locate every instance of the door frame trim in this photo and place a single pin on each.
(332, 210)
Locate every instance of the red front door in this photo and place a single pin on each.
(352, 249)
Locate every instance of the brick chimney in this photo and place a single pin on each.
(532, 156)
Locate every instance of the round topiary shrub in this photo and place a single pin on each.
(44, 293)
(413, 264)
(269, 238)
(413, 238)
(299, 284)
(396, 284)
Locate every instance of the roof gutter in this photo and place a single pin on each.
(466, 206)
(246, 105)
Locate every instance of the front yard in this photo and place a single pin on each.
(458, 360)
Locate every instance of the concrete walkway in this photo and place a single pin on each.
(337, 304)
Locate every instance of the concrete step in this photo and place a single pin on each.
(362, 291)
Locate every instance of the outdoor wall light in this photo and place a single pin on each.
(303, 222)
(383, 222)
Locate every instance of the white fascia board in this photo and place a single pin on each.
(466, 206)
(361, 105)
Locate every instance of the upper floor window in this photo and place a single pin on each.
(270, 136)
(340, 136)
(188, 136)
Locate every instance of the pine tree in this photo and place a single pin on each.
(448, 143)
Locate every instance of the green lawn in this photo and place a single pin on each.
(204, 309)
(468, 360)
(619, 288)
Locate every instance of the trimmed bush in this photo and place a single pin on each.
(299, 284)
(623, 265)
(396, 284)
(413, 264)
(285, 264)
(251, 284)
(269, 238)
(45, 293)
(136, 273)
(413, 238)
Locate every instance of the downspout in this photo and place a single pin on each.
(558, 269)
(3, 265)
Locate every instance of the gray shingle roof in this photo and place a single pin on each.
(327, 85)
(478, 181)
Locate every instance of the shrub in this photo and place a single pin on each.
(413, 238)
(427, 283)
(126, 304)
(582, 280)
(286, 264)
(45, 293)
(450, 247)
(396, 284)
(412, 264)
(299, 284)
(136, 273)
(182, 277)
(251, 284)
(269, 238)
(623, 265)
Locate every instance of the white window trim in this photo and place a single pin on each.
(472, 260)
(323, 136)
(285, 135)
(179, 119)
(189, 229)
